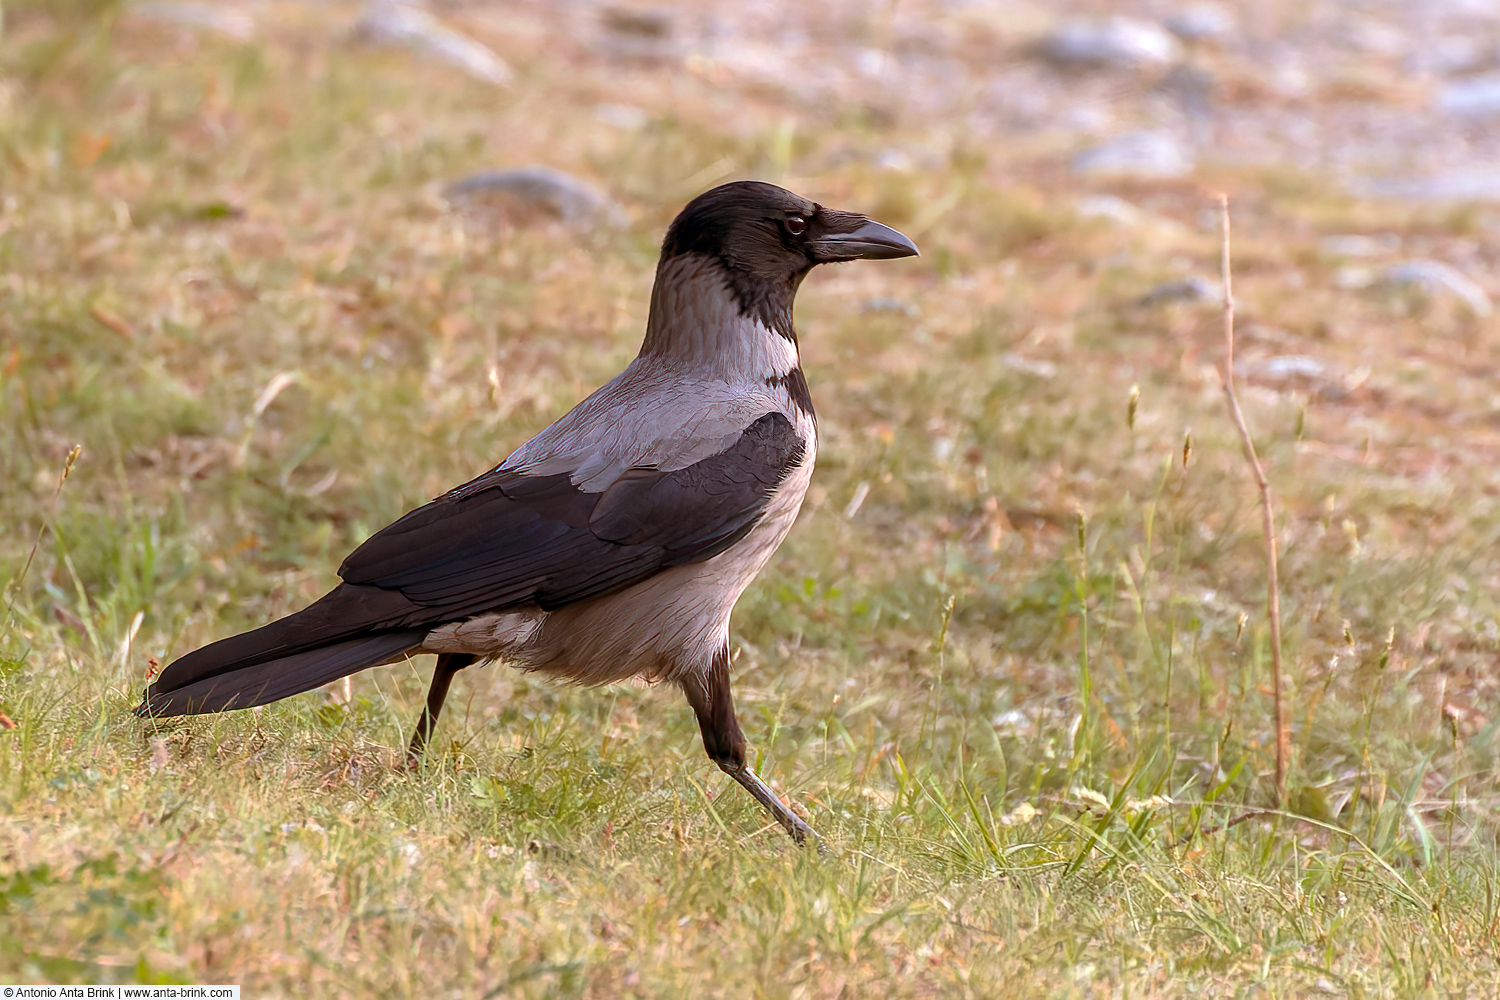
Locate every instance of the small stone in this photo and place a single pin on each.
(633, 34)
(1193, 88)
(1476, 98)
(889, 304)
(1360, 246)
(1116, 42)
(1137, 154)
(1290, 367)
(387, 23)
(1299, 372)
(1464, 184)
(1202, 22)
(1451, 55)
(543, 191)
(1435, 277)
(1108, 206)
(1190, 289)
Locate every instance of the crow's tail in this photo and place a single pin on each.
(349, 629)
(276, 679)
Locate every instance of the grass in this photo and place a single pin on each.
(1020, 686)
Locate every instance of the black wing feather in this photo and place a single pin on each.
(508, 538)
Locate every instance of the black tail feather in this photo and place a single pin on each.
(342, 614)
(272, 680)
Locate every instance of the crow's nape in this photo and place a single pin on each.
(272, 680)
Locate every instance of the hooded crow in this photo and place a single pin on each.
(615, 543)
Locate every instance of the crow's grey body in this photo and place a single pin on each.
(614, 543)
(667, 410)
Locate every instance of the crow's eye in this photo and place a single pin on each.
(796, 225)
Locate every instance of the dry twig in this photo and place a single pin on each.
(1268, 519)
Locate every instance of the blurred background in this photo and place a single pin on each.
(1387, 98)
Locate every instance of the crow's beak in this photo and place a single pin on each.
(870, 241)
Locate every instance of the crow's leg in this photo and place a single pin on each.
(448, 664)
(713, 703)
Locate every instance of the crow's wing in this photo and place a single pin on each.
(510, 537)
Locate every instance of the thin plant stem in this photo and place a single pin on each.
(20, 578)
(1267, 510)
(1085, 666)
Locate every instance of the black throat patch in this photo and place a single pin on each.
(763, 301)
(795, 383)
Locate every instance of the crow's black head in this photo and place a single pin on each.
(766, 239)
